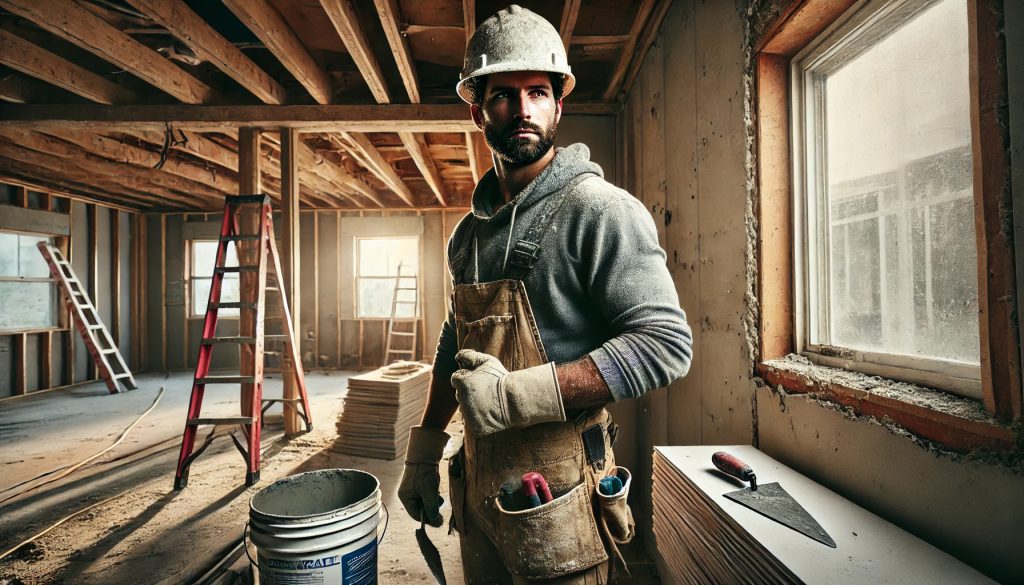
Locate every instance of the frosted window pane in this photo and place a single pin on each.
(201, 295)
(380, 256)
(8, 254)
(32, 263)
(204, 257)
(27, 305)
(375, 297)
(898, 193)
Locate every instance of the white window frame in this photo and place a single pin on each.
(191, 278)
(854, 31)
(359, 277)
(55, 294)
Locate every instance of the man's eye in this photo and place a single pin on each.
(539, 93)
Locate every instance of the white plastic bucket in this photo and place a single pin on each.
(317, 528)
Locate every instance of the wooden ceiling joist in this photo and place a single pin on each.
(570, 12)
(28, 175)
(366, 153)
(469, 18)
(22, 89)
(346, 22)
(314, 163)
(208, 44)
(194, 144)
(270, 27)
(388, 11)
(71, 21)
(416, 145)
(21, 55)
(612, 93)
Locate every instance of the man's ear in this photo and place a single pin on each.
(558, 110)
(477, 115)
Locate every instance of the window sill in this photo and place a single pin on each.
(958, 424)
(34, 330)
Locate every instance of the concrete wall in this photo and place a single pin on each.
(683, 151)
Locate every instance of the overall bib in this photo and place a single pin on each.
(558, 542)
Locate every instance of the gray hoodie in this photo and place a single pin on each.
(600, 286)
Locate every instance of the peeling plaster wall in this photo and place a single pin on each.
(687, 144)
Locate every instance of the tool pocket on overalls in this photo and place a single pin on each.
(494, 335)
(457, 491)
(553, 539)
(615, 516)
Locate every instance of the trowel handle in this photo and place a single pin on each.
(732, 465)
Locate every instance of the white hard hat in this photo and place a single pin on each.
(514, 39)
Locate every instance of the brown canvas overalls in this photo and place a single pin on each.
(558, 542)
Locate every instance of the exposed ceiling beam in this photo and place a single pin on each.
(125, 153)
(22, 89)
(270, 27)
(469, 18)
(72, 155)
(366, 153)
(209, 45)
(41, 179)
(372, 118)
(644, 46)
(346, 22)
(416, 144)
(570, 12)
(19, 54)
(194, 144)
(71, 21)
(388, 11)
(332, 173)
(612, 93)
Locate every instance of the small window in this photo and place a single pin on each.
(882, 145)
(29, 294)
(377, 265)
(203, 258)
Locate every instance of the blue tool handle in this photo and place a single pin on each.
(610, 486)
(534, 500)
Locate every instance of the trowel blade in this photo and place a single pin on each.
(430, 554)
(774, 502)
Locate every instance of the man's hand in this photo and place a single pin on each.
(492, 399)
(419, 490)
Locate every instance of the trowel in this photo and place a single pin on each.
(770, 499)
(430, 552)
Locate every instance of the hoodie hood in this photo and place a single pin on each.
(569, 163)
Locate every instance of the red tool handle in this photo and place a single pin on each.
(732, 465)
(534, 484)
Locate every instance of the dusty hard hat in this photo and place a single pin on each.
(514, 39)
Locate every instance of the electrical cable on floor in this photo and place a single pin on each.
(69, 470)
(58, 523)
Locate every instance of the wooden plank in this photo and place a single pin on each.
(291, 258)
(612, 93)
(798, 24)
(19, 54)
(73, 182)
(367, 153)
(22, 89)
(570, 12)
(20, 351)
(93, 275)
(248, 222)
(209, 45)
(46, 360)
(353, 118)
(469, 18)
(78, 25)
(650, 33)
(1000, 357)
(115, 277)
(163, 292)
(474, 162)
(389, 13)
(346, 23)
(335, 174)
(270, 27)
(35, 220)
(480, 153)
(416, 144)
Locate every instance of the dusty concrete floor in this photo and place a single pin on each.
(150, 534)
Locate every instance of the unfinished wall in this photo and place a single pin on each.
(684, 136)
(56, 356)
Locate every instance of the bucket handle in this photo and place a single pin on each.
(247, 534)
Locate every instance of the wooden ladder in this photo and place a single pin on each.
(109, 363)
(268, 263)
(395, 333)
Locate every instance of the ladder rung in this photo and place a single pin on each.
(277, 337)
(265, 400)
(403, 333)
(408, 351)
(226, 380)
(240, 238)
(125, 375)
(224, 420)
(404, 319)
(223, 269)
(405, 288)
(95, 327)
(405, 302)
(233, 305)
(108, 351)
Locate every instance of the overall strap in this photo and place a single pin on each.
(462, 253)
(526, 251)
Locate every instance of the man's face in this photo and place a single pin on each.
(519, 116)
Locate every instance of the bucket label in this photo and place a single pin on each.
(359, 567)
(315, 571)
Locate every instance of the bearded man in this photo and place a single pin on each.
(562, 304)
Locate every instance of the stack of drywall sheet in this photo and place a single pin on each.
(705, 538)
(379, 409)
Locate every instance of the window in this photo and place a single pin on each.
(203, 258)
(377, 262)
(29, 294)
(887, 259)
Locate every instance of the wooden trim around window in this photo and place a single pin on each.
(798, 25)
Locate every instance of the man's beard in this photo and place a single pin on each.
(520, 151)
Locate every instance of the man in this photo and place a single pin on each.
(562, 304)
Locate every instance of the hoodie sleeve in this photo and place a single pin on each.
(447, 343)
(628, 280)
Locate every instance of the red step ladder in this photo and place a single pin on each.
(252, 385)
(110, 365)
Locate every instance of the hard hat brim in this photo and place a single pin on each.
(462, 88)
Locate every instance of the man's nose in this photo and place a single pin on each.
(524, 108)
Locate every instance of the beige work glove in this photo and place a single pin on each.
(493, 399)
(420, 488)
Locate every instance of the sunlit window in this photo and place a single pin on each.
(377, 272)
(885, 165)
(29, 294)
(203, 259)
